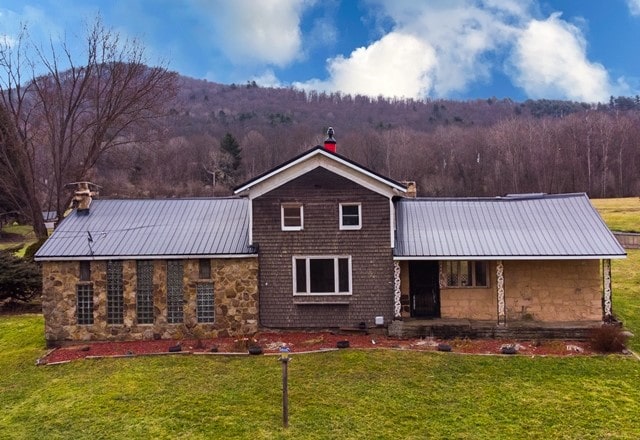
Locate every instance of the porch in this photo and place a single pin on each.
(466, 328)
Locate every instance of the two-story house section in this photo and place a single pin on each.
(323, 227)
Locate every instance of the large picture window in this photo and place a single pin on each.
(322, 275)
(350, 216)
(292, 216)
(467, 274)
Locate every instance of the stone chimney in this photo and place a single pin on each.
(330, 142)
(412, 189)
(82, 197)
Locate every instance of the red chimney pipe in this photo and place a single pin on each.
(330, 143)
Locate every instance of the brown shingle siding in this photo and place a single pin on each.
(321, 191)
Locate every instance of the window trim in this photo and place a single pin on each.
(335, 258)
(344, 227)
(282, 217)
(473, 284)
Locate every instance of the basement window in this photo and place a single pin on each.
(144, 292)
(466, 273)
(204, 302)
(115, 294)
(84, 304)
(175, 296)
(350, 216)
(292, 216)
(322, 275)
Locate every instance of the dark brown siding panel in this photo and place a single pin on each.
(321, 192)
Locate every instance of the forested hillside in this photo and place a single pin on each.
(450, 148)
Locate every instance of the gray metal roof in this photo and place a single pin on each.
(177, 228)
(530, 226)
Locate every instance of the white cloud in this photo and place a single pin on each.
(449, 37)
(634, 7)
(254, 32)
(396, 65)
(267, 79)
(550, 61)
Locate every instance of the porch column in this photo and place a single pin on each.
(397, 307)
(502, 315)
(606, 270)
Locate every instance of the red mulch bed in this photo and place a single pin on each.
(299, 342)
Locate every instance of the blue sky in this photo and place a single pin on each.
(583, 50)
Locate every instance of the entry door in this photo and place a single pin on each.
(424, 288)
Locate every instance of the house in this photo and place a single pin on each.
(322, 242)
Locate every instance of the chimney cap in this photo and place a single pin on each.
(330, 134)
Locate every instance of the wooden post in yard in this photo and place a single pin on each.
(284, 358)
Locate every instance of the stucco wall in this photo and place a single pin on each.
(235, 302)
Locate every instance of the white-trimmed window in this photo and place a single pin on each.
(350, 215)
(322, 275)
(292, 216)
(467, 274)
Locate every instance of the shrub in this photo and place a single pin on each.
(19, 279)
(608, 338)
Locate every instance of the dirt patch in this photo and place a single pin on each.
(300, 342)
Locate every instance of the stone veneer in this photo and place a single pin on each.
(544, 291)
(235, 282)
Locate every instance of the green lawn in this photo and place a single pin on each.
(27, 238)
(345, 394)
(620, 214)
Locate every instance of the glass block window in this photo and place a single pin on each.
(84, 304)
(115, 294)
(204, 307)
(174, 291)
(144, 292)
(204, 269)
(466, 274)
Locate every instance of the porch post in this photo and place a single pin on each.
(502, 316)
(606, 270)
(397, 307)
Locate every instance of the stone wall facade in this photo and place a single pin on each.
(544, 291)
(235, 287)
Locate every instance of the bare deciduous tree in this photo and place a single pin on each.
(67, 117)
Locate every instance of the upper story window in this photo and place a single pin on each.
(350, 216)
(467, 274)
(292, 216)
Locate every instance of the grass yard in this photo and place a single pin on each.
(620, 214)
(19, 235)
(346, 394)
